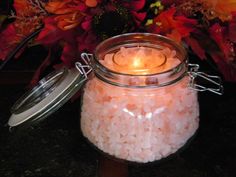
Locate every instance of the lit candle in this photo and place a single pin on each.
(138, 60)
(142, 61)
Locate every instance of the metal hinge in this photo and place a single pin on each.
(214, 81)
(85, 68)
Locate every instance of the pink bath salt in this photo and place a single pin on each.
(124, 153)
(144, 124)
(168, 52)
(147, 155)
(166, 150)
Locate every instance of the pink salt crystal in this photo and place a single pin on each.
(134, 81)
(165, 150)
(173, 54)
(124, 153)
(167, 52)
(108, 59)
(124, 51)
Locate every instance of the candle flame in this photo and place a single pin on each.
(137, 62)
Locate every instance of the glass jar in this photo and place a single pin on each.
(140, 104)
(144, 113)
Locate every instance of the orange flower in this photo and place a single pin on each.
(222, 8)
(91, 3)
(62, 7)
(68, 21)
(59, 7)
(67, 11)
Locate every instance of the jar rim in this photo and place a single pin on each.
(109, 44)
(137, 36)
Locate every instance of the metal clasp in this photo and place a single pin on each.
(86, 68)
(213, 80)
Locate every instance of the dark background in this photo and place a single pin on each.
(56, 147)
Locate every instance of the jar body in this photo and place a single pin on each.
(139, 124)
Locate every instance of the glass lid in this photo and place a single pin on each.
(44, 99)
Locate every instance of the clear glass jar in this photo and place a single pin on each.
(139, 114)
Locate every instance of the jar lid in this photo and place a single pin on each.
(49, 95)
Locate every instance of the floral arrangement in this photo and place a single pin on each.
(205, 27)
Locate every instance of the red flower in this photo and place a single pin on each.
(226, 60)
(63, 27)
(28, 18)
(196, 47)
(228, 70)
(174, 26)
(7, 44)
(232, 28)
(52, 35)
(221, 36)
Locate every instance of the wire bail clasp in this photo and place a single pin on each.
(86, 68)
(212, 79)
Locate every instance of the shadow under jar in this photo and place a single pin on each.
(138, 105)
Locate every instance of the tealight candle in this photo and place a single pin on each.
(140, 60)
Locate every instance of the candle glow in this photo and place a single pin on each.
(140, 60)
(137, 63)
